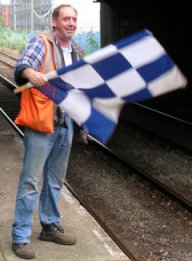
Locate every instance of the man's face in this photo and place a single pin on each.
(66, 24)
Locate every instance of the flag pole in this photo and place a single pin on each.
(23, 87)
(49, 76)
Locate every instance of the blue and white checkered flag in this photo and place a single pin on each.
(92, 91)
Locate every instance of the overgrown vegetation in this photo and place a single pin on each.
(11, 39)
(94, 45)
(89, 41)
(17, 41)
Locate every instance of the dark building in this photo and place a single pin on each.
(169, 21)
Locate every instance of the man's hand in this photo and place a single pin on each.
(84, 136)
(36, 78)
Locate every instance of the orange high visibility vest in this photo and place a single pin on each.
(36, 109)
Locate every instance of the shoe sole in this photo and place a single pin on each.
(50, 239)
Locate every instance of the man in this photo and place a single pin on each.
(46, 151)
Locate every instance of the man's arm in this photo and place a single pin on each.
(29, 62)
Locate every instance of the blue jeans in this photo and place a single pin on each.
(45, 154)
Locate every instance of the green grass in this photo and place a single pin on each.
(12, 40)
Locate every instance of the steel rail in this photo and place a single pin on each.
(174, 195)
(162, 113)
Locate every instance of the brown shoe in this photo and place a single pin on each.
(56, 234)
(23, 250)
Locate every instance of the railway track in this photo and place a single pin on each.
(173, 129)
(125, 148)
(115, 218)
(7, 60)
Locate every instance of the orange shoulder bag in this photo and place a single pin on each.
(36, 109)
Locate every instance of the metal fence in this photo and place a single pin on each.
(30, 15)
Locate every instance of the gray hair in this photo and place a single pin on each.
(56, 11)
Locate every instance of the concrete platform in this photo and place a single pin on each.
(93, 244)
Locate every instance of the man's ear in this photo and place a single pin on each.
(53, 22)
